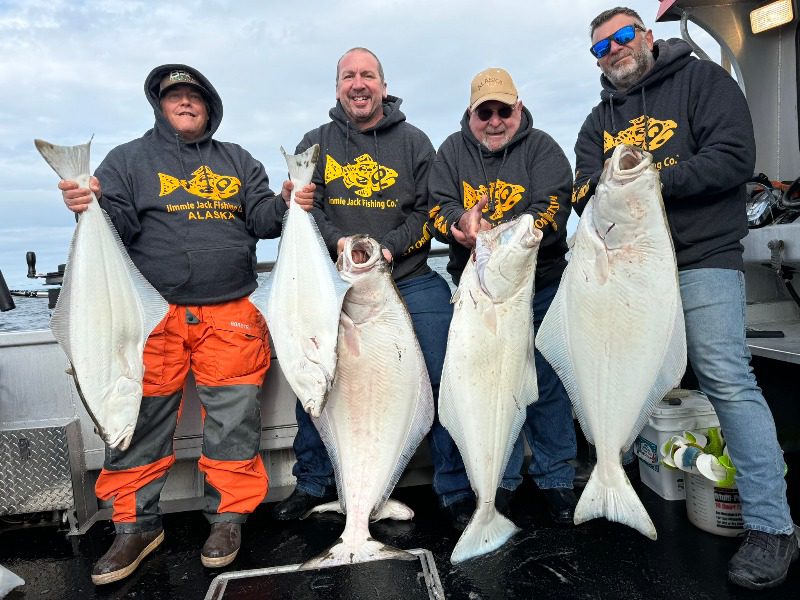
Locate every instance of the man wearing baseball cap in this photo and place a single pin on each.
(190, 209)
(494, 169)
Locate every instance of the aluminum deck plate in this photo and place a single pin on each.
(385, 579)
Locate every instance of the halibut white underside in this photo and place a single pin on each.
(615, 331)
(489, 375)
(105, 311)
(305, 298)
(380, 407)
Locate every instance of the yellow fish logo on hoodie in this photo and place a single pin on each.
(506, 196)
(205, 184)
(654, 136)
(365, 174)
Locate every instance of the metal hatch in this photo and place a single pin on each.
(385, 579)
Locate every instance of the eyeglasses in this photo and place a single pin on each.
(484, 114)
(622, 36)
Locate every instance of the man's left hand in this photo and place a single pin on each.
(466, 230)
(303, 197)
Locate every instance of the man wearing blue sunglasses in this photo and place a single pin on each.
(693, 118)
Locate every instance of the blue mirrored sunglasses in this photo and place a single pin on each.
(622, 36)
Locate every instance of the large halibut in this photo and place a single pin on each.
(381, 404)
(105, 311)
(615, 332)
(489, 375)
(305, 299)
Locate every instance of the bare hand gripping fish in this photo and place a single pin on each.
(305, 299)
(105, 311)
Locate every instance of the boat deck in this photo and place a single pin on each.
(595, 560)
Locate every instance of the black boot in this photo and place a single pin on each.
(125, 554)
(298, 504)
(561, 504)
(502, 501)
(584, 464)
(583, 470)
(763, 559)
(460, 512)
(222, 545)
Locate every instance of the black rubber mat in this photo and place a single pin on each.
(594, 561)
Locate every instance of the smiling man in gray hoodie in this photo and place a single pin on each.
(372, 179)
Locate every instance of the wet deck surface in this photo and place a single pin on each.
(595, 560)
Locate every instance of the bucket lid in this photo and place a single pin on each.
(695, 403)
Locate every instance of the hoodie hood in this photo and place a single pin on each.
(671, 55)
(214, 102)
(692, 117)
(391, 116)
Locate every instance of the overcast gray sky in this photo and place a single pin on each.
(73, 68)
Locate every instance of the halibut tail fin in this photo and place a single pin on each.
(617, 503)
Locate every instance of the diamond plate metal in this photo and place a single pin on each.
(34, 470)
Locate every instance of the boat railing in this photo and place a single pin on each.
(268, 265)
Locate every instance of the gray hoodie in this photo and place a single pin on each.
(701, 137)
(374, 182)
(530, 174)
(189, 213)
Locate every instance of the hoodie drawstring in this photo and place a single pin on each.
(490, 192)
(611, 109)
(376, 157)
(646, 120)
(645, 117)
(180, 156)
(347, 142)
(377, 162)
(204, 165)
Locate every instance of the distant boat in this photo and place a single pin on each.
(29, 293)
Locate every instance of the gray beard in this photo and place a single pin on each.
(485, 143)
(624, 78)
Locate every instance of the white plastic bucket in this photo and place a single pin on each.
(693, 413)
(714, 509)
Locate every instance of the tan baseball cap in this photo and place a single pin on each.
(492, 84)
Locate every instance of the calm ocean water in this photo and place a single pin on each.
(32, 314)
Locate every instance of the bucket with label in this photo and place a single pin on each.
(714, 509)
(672, 416)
